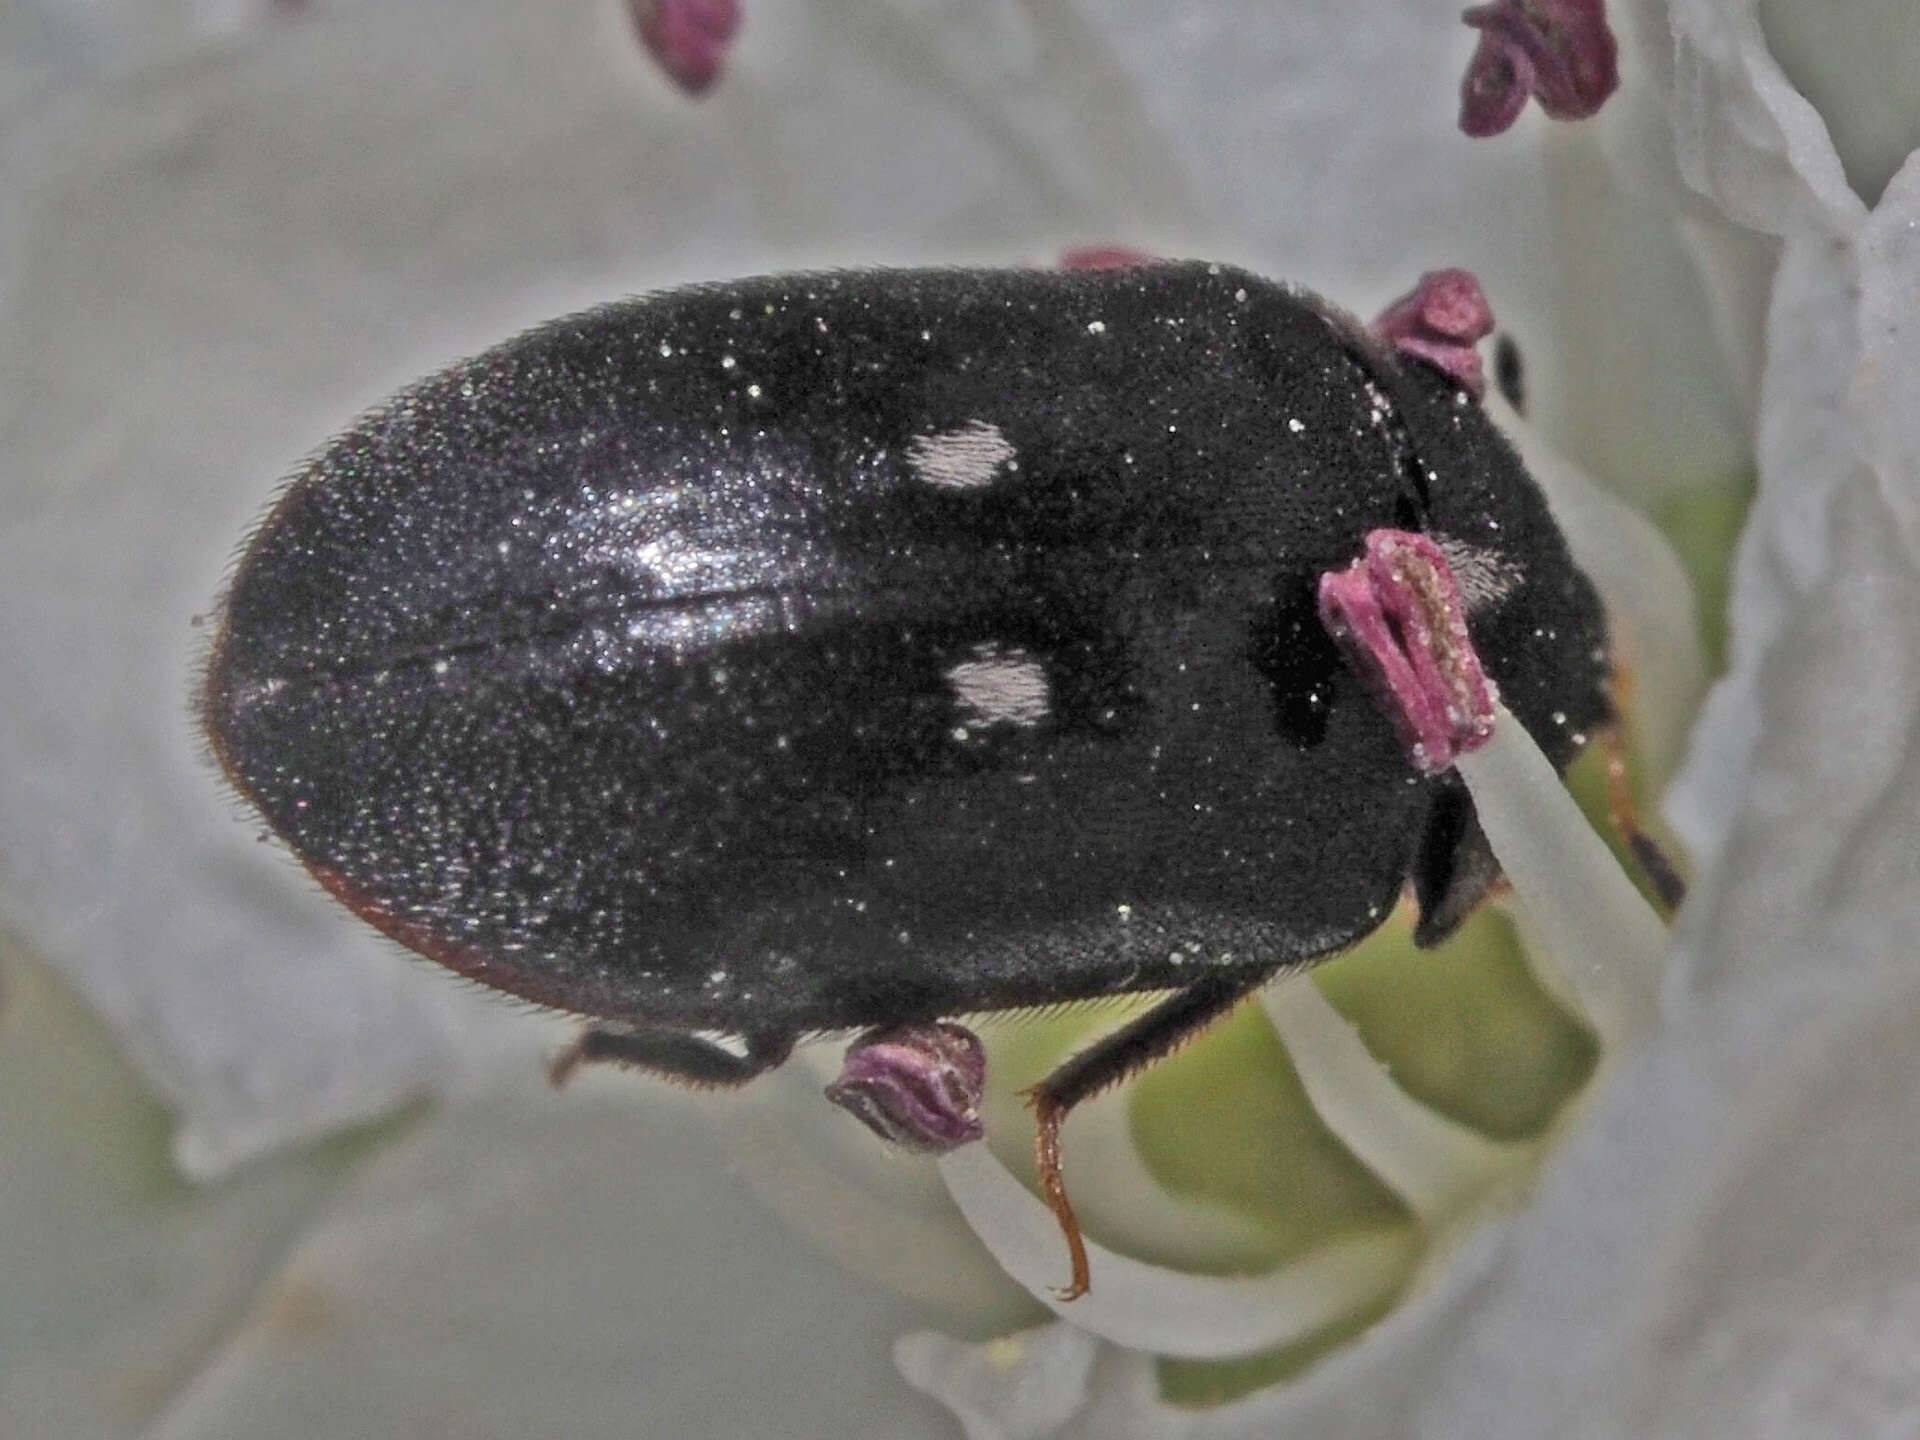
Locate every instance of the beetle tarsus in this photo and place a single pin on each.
(1108, 1061)
(1048, 1113)
(1662, 874)
(675, 1054)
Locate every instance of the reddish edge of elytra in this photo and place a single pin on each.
(486, 967)
(471, 962)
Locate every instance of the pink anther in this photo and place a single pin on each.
(1397, 613)
(1560, 52)
(1440, 321)
(688, 39)
(915, 1085)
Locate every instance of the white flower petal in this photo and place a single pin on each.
(525, 1263)
(78, 38)
(1641, 254)
(1806, 451)
(116, 1277)
(1021, 1387)
(1329, 141)
(1855, 63)
(1798, 1312)
(1832, 368)
(1744, 136)
(1169, 1312)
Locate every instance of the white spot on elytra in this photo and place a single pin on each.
(964, 459)
(1297, 426)
(1381, 406)
(1485, 577)
(1001, 686)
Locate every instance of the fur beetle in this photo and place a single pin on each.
(832, 651)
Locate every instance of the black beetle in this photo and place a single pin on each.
(831, 651)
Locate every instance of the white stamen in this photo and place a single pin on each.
(1167, 1312)
(1440, 1168)
(1607, 942)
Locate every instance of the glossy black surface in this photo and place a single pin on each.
(838, 649)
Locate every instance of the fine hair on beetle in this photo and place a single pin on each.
(851, 652)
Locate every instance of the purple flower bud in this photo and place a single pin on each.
(1558, 51)
(1440, 321)
(688, 38)
(1398, 615)
(915, 1085)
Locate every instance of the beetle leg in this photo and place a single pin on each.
(1108, 1061)
(1454, 869)
(676, 1054)
(1654, 861)
(1658, 867)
